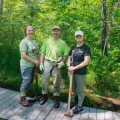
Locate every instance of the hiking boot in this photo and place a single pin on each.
(56, 102)
(44, 99)
(24, 102)
(77, 109)
(40, 97)
(73, 104)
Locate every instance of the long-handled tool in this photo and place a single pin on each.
(69, 113)
(56, 63)
(36, 77)
(36, 98)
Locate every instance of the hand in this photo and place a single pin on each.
(37, 62)
(60, 64)
(41, 67)
(71, 69)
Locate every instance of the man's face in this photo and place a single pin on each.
(79, 38)
(56, 33)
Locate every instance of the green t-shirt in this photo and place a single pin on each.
(31, 49)
(53, 49)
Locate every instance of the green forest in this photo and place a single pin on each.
(98, 19)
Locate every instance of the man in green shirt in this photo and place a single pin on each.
(51, 51)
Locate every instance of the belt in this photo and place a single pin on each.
(49, 60)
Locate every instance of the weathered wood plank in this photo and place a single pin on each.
(53, 113)
(7, 109)
(2, 91)
(5, 95)
(12, 110)
(85, 114)
(61, 112)
(108, 115)
(100, 114)
(36, 111)
(13, 102)
(93, 114)
(16, 117)
(7, 98)
(46, 111)
(76, 116)
(19, 114)
(28, 112)
(66, 117)
(116, 116)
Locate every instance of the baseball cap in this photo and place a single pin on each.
(56, 27)
(79, 32)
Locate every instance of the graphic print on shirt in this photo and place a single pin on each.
(77, 55)
(71, 61)
(34, 48)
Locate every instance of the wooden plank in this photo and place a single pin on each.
(9, 105)
(7, 98)
(16, 117)
(76, 116)
(12, 112)
(36, 111)
(61, 112)
(67, 117)
(19, 114)
(7, 109)
(5, 95)
(46, 111)
(2, 91)
(93, 114)
(53, 113)
(85, 114)
(108, 115)
(9, 90)
(100, 114)
(28, 112)
(116, 116)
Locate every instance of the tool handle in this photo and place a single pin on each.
(70, 90)
(36, 77)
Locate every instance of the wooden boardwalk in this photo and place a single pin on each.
(10, 109)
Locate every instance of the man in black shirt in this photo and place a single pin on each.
(78, 60)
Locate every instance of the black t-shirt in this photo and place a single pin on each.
(77, 56)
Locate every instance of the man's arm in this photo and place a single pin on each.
(65, 58)
(42, 57)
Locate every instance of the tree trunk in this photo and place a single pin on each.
(30, 4)
(104, 28)
(1, 9)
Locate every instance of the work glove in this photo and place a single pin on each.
(41, 67)
(60, 64)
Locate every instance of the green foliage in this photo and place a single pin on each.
(70, 15)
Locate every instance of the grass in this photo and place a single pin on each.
(92, 99)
